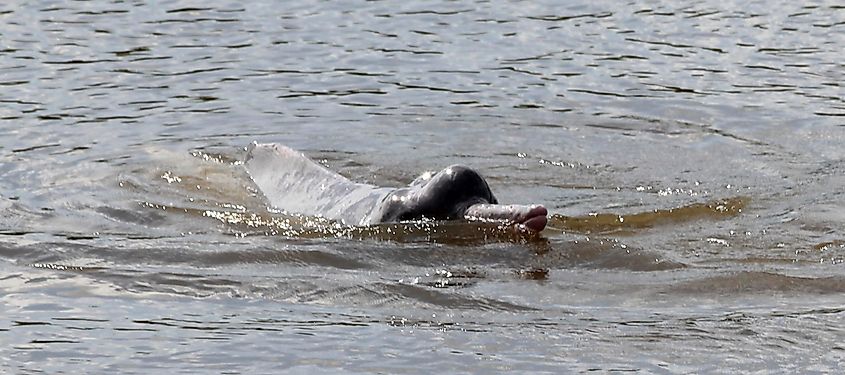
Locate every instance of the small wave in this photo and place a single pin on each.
(606, 222)
(754, 282)
(288, 225)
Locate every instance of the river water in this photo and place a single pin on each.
(690, 154)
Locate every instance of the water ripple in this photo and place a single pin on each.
(690, 154)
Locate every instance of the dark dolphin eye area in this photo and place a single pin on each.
(445, 196)
(467, 184)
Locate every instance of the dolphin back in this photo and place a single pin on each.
(293, 183)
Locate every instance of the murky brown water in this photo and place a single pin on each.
(691, 154)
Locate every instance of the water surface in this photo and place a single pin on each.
(690, 153)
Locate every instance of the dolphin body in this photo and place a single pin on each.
(294, 183)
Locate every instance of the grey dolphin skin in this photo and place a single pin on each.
(294, 183)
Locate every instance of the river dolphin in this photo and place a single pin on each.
(294, 183)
